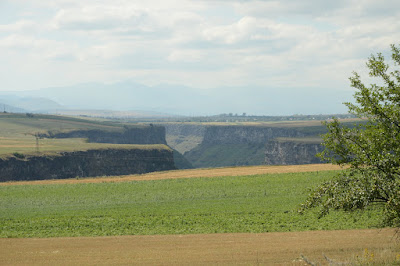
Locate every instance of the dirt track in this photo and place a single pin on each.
(211, 172)
(228, 249)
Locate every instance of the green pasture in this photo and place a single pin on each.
(260, 203)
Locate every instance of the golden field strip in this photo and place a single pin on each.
(190, 173)
(356, 246)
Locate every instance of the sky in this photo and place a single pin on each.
(305, 47)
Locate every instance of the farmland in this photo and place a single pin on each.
(259, 203)
(169, 217)
(285, 248)
(220, 215)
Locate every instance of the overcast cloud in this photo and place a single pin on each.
(283, 45)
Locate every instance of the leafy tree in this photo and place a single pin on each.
(371, 148)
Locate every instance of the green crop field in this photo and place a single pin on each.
(260, 203)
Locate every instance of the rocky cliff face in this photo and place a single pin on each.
(247, 145)
(246, 134)
(289, 153)
(184, 137)
(99, 162)
(127, 135)
(236, 145)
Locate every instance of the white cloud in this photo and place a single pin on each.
(277, 43)
(104, 18)
(18, 26)
(244, 29)
(186, 56)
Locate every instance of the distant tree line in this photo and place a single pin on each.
(230, 117)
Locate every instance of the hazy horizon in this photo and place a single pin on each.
(193, 57)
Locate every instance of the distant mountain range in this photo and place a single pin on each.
(122, 96)
(13, 103)
(129, 96)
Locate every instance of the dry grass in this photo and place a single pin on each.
(191, 173)
(221, 249)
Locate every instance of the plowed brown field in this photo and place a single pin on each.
(190, 173)
(221, 249)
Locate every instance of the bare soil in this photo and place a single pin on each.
(362, 246)
(190, 173)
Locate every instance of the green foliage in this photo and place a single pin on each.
(261, 203)
(371, 149)
(19, 155)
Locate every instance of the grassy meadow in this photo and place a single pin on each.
(259, 203)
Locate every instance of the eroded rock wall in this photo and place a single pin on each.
(246, 134)
(290, 153)
(100, 162)
(236, 145)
